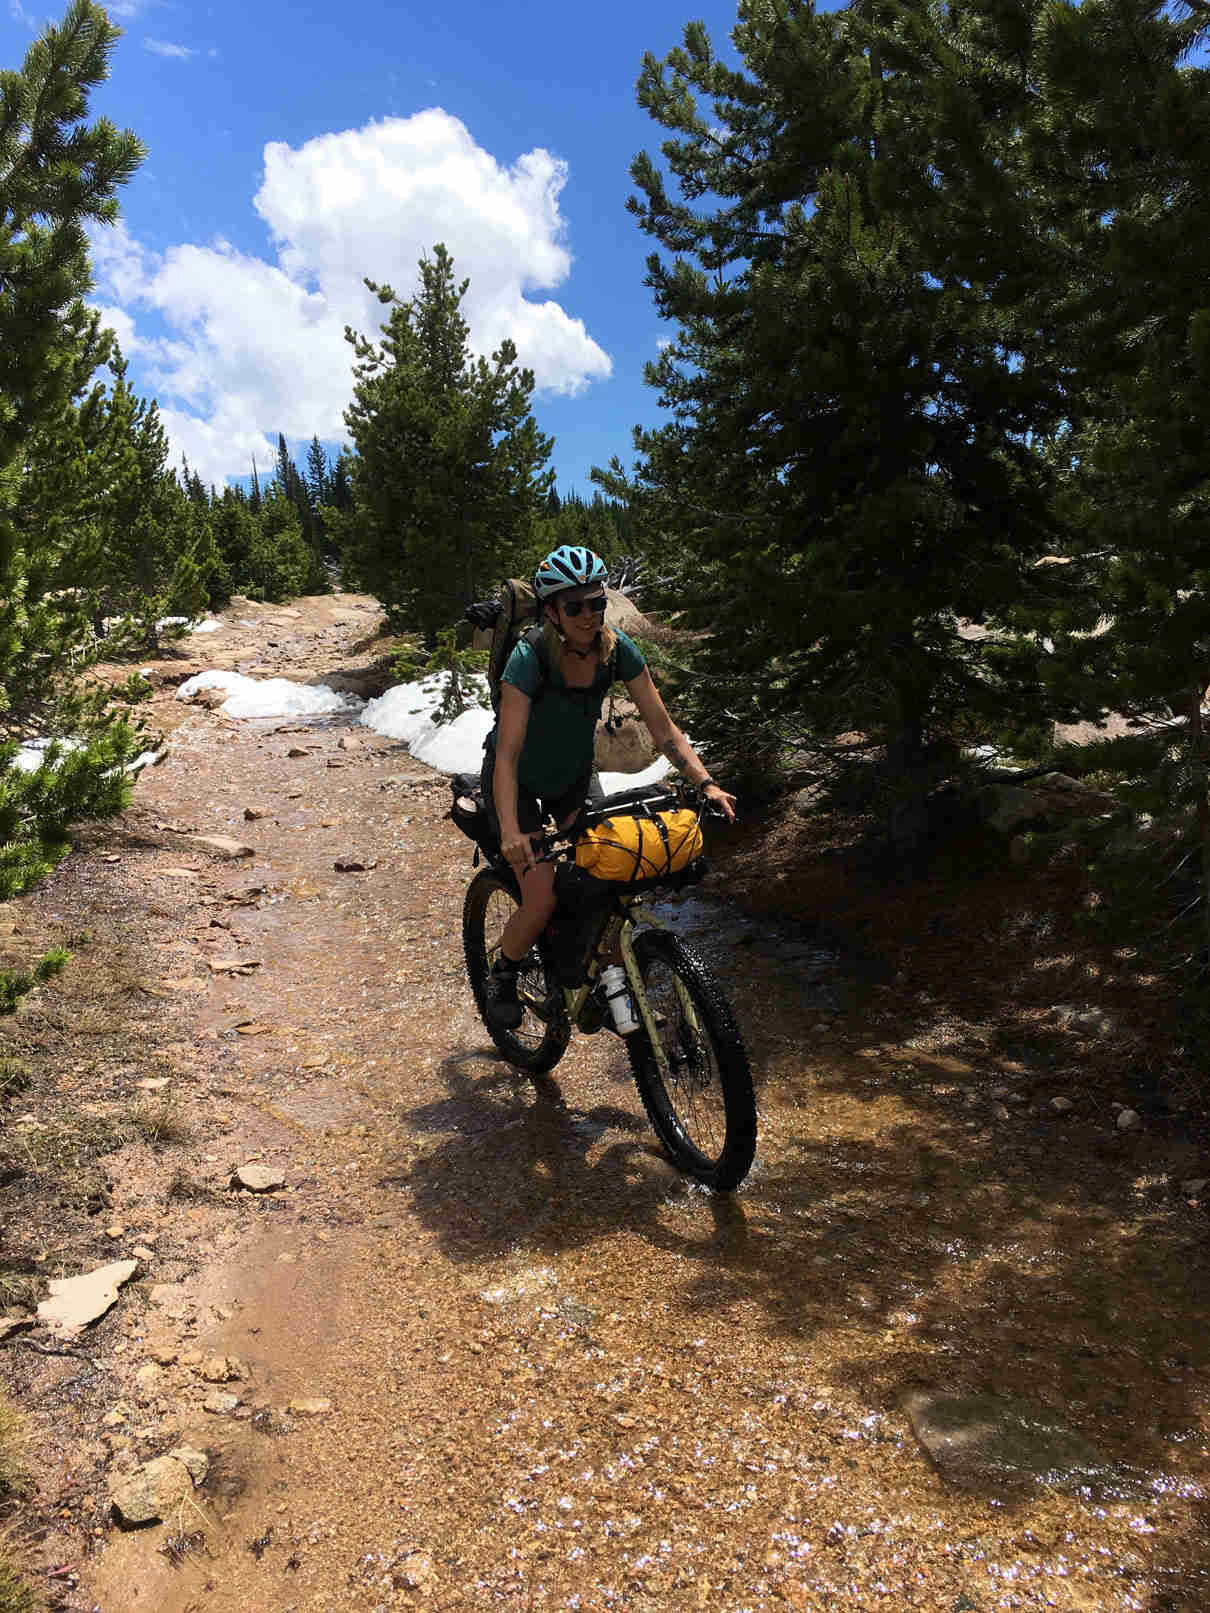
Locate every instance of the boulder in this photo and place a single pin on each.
(624, 748)
(996, 1445)
(152, 1490)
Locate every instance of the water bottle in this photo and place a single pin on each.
(617, 995)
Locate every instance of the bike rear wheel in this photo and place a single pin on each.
(705, 1112)
(540, 1040)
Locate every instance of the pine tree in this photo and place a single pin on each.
(1122, 152)
(317, 474)
(141, 522)
(448, 477)
(57, 173)
(850, 465)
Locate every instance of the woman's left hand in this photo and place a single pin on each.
(721, 799)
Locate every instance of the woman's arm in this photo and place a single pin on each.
(511, 724)
(670, 742)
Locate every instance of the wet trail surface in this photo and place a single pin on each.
(546, 1372)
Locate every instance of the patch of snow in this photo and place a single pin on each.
(31, 754)
(172, 621)
(660, 768)
(208, 626)
(272, 697)
(406, 713)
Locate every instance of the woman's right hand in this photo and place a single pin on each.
(518, 851)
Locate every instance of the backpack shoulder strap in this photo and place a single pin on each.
(536, 639)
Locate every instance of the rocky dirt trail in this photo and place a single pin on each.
(482, 1347)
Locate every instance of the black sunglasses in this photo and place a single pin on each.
(597, 603)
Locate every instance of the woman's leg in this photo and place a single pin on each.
(532, 917)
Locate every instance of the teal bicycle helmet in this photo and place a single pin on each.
(568, 567)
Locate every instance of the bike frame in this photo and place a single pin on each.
(574, 997)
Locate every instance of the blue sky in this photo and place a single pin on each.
(294, 149)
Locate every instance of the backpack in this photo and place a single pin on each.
(514, 614)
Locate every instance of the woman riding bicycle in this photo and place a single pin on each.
(540, 755)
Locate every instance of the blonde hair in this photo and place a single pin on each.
(554, 645)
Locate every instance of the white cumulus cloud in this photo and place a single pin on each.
(256, 344)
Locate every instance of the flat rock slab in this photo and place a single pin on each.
(985, 1442)
(259, 1178)
(224, 845)
(76, 1301)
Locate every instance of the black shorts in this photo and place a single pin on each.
(532, 812)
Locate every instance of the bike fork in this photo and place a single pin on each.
(646, 1013)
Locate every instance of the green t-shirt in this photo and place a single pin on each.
(562, 724)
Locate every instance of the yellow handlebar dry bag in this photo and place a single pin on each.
(629, 848)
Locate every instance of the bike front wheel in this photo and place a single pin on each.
(540, 1040)
(704, 1111)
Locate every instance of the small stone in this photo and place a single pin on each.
(223, 1369)
(416, 1571)
(220, 1403)
(1128, 1119)
(154, 1083)
(148, 1376)
(142, 1252)
(253, 813)
(296, 751)
(259, 1178)
(999, 1111)
(165, 1354)
(113, 1419)
(117, 1230)
(152, 1490)
(354, 865)
(1195, 1187)
(1061, 1106)
(317, 1407)
(348, 742)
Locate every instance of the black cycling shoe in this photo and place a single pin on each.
(504, 1009)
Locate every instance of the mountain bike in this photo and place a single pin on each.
(686, 1053)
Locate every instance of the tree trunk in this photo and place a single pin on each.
(1197, 746)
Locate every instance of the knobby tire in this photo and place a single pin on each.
(707, 1122)
(535, 1045)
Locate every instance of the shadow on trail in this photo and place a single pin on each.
(517, 1170)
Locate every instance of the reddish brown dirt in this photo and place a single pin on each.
(557, 1377)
